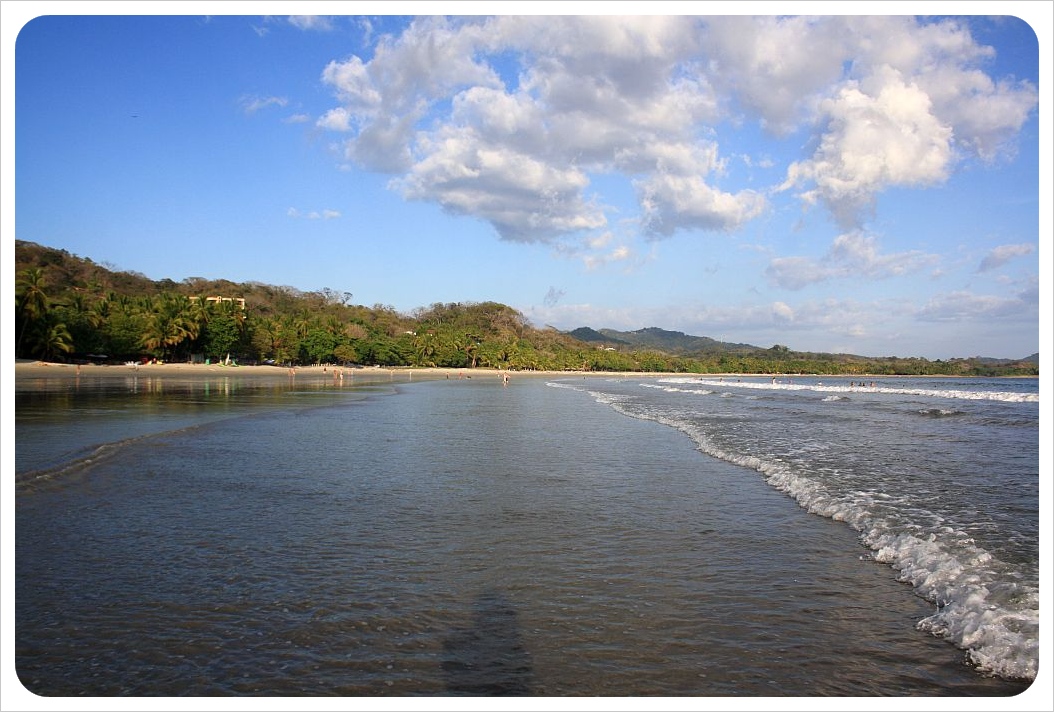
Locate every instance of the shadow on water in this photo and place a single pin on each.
(487, 657)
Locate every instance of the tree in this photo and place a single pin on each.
(318, 345)
(222, 334)
(54, 337)
(32, 301)
(84, 319)
(345, 353)
(168, 324)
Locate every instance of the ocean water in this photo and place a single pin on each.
(559, 536)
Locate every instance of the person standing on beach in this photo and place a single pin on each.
(505, 378)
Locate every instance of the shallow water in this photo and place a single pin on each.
(436, 538)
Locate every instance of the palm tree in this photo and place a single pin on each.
(201, 310)
(32, 301)
(425, 346)
(169, 324)
(54, 337)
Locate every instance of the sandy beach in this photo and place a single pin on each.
(27, 369)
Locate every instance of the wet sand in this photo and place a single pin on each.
(40, 369)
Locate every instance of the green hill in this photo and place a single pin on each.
(673, 342)
(69, 308)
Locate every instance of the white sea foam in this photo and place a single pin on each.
(980, 605)
(819, 387)
(999, 639)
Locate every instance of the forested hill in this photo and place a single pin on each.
(652, 337)
(69, 308)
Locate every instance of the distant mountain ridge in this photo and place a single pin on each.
(680, 344)
(653, 337)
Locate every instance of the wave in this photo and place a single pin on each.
(1005, 396)
(979, 606)
(939, 412)
(998, 627)
(87, 459)
(673, 389)
(80, 463)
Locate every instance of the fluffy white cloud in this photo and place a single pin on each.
(776, 67)
(525, 198)
(672, 202)
(337, 119)
(880, 133)
(509, 119)
(912, 106)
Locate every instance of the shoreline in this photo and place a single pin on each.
(26, 369)
(34, 369)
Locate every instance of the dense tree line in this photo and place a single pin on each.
(71, 309)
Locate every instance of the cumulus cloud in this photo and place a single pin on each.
(881, 133)
(671, 202)
(998, 256)
(914, 105)
(512, 119)
(776, 68)
(851, 255)
(525, 198)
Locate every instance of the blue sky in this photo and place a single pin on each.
(860, 184)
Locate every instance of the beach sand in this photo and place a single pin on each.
(26, 369)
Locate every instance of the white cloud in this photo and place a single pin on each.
(781, 312)
(326, 214)
(508, 118)
(319, 23)
(965, 306)
(914, 104)
(252, 104)
(622, 253)
(525, 198)
(851, 255)
(998, 256)
(776, 67)
(881, 133)
(337, 119)
(671, 203)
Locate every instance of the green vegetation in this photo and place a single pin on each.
(69, 308)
